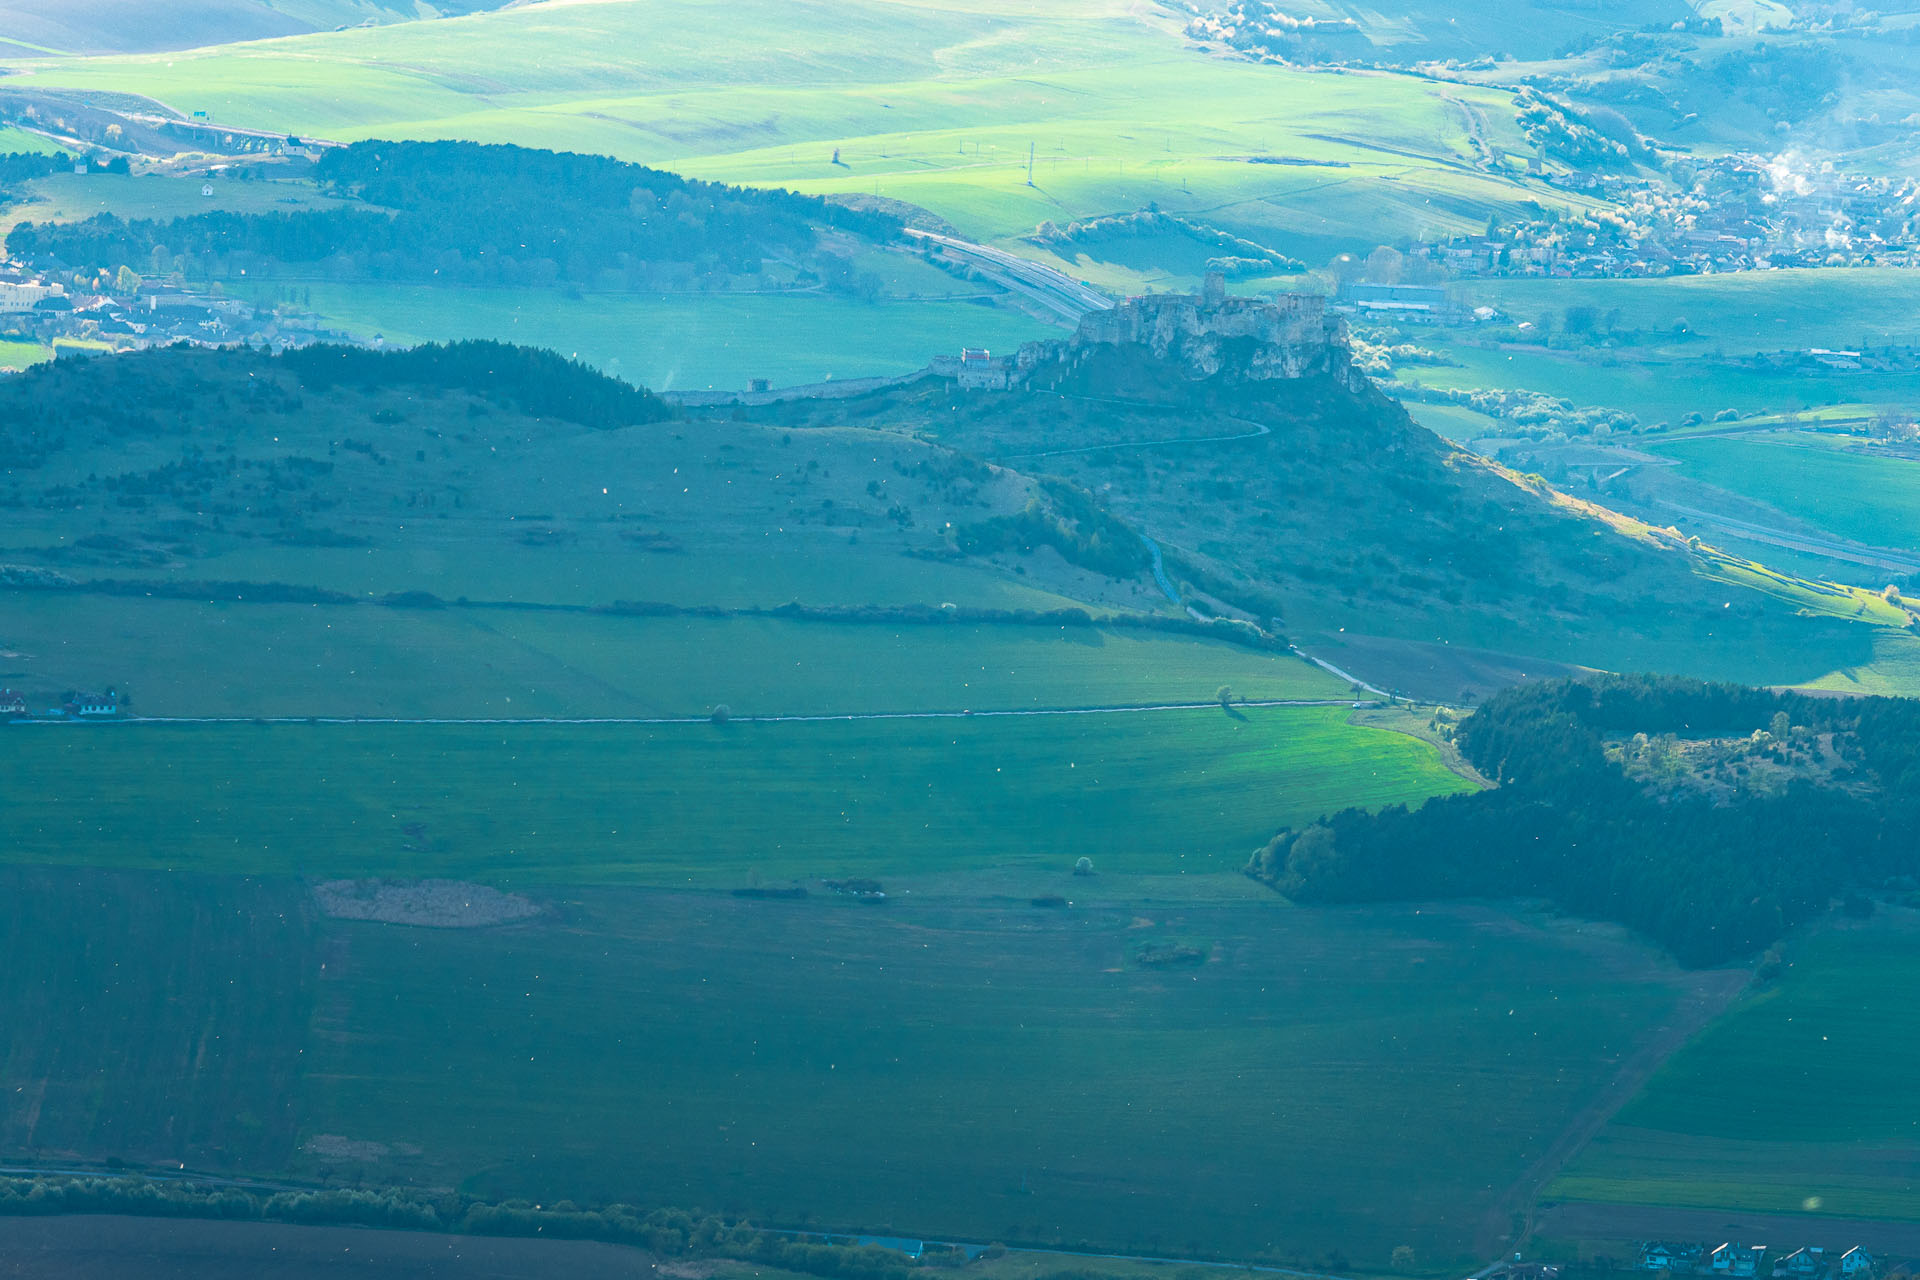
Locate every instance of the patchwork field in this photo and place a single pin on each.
(1661, 376)
(940, 106)
(979, 1069)
(1795, 1101)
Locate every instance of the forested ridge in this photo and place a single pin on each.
(156, 395)
(1698, 857)
(467, 213)
(538, 382)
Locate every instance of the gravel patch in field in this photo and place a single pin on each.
(438, 904)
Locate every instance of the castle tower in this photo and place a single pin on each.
(1213, 293)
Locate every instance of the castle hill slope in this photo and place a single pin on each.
(1233, 438)
(1283, 487)
(479, 530)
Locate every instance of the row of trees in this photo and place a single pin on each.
(671, 1232)
(464, 213)
(1713, 878)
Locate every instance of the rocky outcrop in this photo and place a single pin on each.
(1210, 335)
(1204, 336)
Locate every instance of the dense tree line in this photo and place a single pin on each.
(463, 213)
(537, 382)
(24, 166)
(1712, 875)
(671, 1232)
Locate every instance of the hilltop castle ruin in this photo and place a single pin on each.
(1207, 335)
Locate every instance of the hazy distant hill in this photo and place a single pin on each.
(136, 26)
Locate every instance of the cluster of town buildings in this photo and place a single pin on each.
(1735, 1261)
(36, 308)
(75, 704)
(1733, 213)
(1810, 1263)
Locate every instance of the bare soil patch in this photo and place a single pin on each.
(437, 904)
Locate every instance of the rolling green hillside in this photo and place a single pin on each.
(936, 104)
(129, 26)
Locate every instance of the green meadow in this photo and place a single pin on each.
(1839, 487)
(70, 197)
(1797, 1099)
(1171, 793)
(233, 658)
(679, 342)
(18, 140)
(1656, 389)
(18, 355)
(1737, 312)
(1660, 376)
(941, 104)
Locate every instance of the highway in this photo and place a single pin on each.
(1054, 290)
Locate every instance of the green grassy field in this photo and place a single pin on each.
(1892, 668)
(1169, 793)
(18, 355)
(69, 197)
(938, 106)
(1796, 1100)
(976, 1069)
(19, 140)
(681, 342)
(1837, 486)
(192, 996)
(1737, 312)
(188, 658)
(1663, 378)
(1659, 388)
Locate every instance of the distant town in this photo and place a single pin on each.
(129, 313)
(1733, 1259)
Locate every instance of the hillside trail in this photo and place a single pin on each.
(1476, 131)
(1704, 996)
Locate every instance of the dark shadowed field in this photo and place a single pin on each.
(117, 1248)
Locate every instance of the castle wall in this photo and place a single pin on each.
(1293, 336)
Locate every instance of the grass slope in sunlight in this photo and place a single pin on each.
(936, 103)
(698, 804)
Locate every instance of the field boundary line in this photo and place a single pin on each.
(830, 717)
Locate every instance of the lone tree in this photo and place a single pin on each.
(721, 714)
(1223, 695)
(1084, 867)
